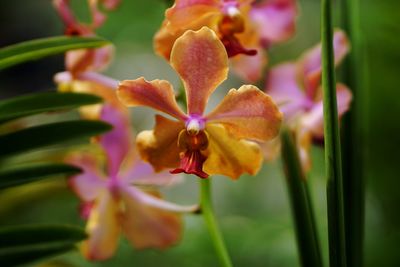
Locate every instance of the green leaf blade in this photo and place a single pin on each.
(32, 104)
(49, 134)
(34, 172)
(24, 244)
(39, 48)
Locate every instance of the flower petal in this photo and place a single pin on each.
(275, 19)
(271, 149)
(142, 173)
(160, 146)
(248, 113)
(229, 156)
(282, 86)
(88, 82)
(82, 60)
(148, 227)
(201, 61)
(310, 64)
(156, 94)
(103, 229)
(250, 68)
(88, 184)
(117, 142)
(314, 119)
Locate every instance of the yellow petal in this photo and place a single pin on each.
(229, 156)
(160, 146)
(102, 228)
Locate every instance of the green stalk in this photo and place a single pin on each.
(353, 160)
(211, 222)
(336, 227)
(302, 208)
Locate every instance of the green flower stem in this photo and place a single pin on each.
(336, 226)
(301, 203)
(209, 218)
(354, 143)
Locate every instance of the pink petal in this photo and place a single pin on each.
(148, 227)
(248, 113)
(156, 94)
(88, 184)
(103, 229)
(310, 64)
(117, 142)
(282, 86)
(201, 61)
(314, 119)
(250, 68)
(275, 19)
(83, 60)
(142, 173)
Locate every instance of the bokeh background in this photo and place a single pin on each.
(254, 212)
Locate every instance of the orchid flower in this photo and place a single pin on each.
(297, 87)
(244, 27)
(83, 65)
(114, 201)
(218, 143)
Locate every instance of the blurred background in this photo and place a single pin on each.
(254, 212)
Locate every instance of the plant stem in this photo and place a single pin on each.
(209, 218)
(336, 230)
(302, 208)
(354, 145)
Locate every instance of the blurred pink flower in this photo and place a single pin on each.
(296, 87)
(121, 196)
(245, 27)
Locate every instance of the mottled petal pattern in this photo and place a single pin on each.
(156, 94)
(248, 113)
(202, 63)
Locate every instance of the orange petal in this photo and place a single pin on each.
(181, 17)
(160, 146)
(102, 228)
(248, 113)
(200, 59)
(148, 227)
(156, 94)
(229, 156)
(81, 60)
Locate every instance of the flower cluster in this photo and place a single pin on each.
(199, 38)
(245, 27)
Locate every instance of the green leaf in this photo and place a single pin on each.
(333, 155)
(49, 134)
(31, 104)
(39, 48)
(34, 172)
(301, 204)
(24, 244)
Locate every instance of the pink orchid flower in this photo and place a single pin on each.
(194, 143)
(297, 87)
(115, 201)
(245, 27)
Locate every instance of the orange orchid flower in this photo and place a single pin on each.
(245, 28)
(220, 142)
